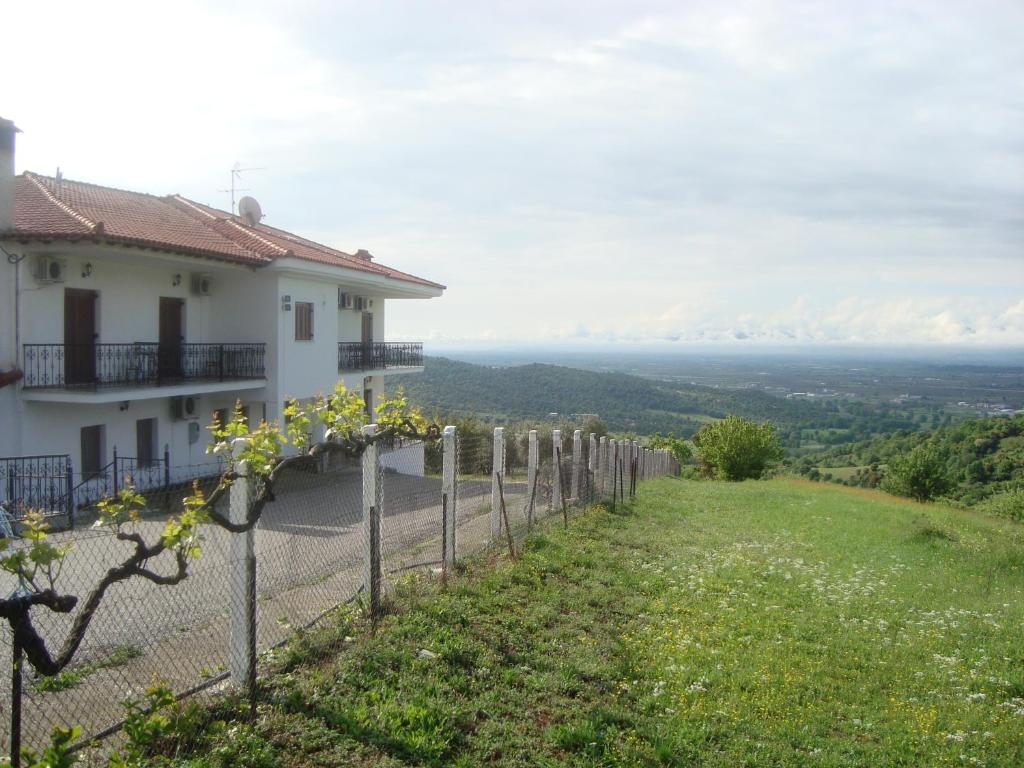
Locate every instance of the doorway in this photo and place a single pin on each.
(79, 337)
(172, 337)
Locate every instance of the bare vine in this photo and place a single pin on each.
(253, 455)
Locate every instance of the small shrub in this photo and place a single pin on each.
(921, 474)
(1006, 504)
(57, 755)
(737, 449)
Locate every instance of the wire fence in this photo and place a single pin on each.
(336, 527)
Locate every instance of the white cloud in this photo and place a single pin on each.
(771, 171)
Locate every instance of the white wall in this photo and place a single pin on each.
(407, 460)
(49, 428)
(129, 291)
(9, 442)
(350, 322)
(245, 306)
(308, 367)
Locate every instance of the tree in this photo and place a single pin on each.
(920, 474)
(679, 448)
(737, 449)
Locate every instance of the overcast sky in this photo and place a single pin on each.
(694, 172)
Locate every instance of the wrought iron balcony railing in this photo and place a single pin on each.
(357, 356)
(141, 363)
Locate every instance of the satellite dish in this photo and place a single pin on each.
(250, 211)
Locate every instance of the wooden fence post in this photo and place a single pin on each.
(577, 463)
(532, 457)
(556, 469)
(497, 471)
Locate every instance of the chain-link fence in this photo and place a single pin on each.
(336, 527)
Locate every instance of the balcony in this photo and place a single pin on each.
(379, 355)
(94, 368)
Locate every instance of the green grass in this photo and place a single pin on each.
(70, 678)
(840, 473)
(762, 624)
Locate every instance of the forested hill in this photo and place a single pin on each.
(982, 456)
(623, 402)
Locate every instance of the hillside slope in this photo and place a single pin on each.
(983, 456)
(624, 402)
(777, 623)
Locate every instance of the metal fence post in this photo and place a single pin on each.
(243, 585)
(577, 462)
(556, 469)
(371, 521)
(497, 470)
(532, 456)
(448, 493)
(70, 490)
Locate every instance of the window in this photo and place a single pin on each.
(145, 442)
(92, 451)
(303, 321)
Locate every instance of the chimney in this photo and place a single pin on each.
(7, 131)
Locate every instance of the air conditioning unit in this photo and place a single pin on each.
(202, 285)
(184, 408)
(360, 303)
(50, 270)
(344, 299)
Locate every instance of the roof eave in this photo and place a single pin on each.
(22, 236)
(395, 287)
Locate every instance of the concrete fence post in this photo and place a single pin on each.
(532, 457)
(320, 435)
(497, 469)
(556, 470)
(601, 474)
(615, 467)
(592, 468)
(243, 585)
(634, 467)
(607, 466)
(577, 463)
(449, 494)
(371, 522)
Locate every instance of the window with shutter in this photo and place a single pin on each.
(303, 321)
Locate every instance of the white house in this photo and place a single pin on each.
(127, 320)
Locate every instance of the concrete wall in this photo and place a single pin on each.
(407, 460)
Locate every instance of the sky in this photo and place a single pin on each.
(586, 173)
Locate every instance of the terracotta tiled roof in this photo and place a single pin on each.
(52, 209)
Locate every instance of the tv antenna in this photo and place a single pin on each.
(236, 175)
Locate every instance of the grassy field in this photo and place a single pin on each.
(761, 624)
(840, 473)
